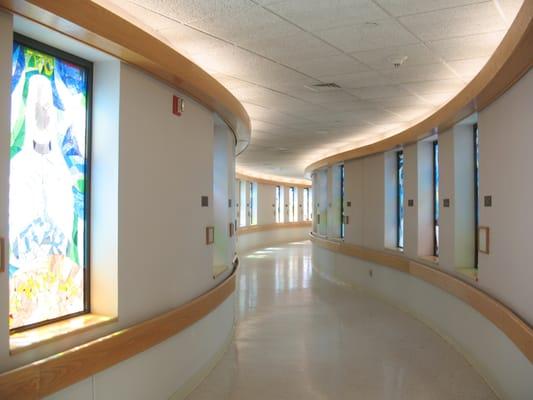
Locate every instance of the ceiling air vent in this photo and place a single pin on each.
(318, 87)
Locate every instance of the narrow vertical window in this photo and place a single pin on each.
(278, 204)
(253, 203)
(310, 202)
(242, 221)
(291, 204)
(399, 200)
(305, 201)
(49, 185)
(476, 192)
(436, 198)
(342, 201)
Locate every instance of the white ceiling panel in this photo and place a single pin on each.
(297, 47)
(247, 25)
(468, 68)
(324, 66)
(438, 86)
(368, 36)
(454, 22)
(271, 53)
(403, 7)
(385, 59)
(473, 46)
(377, 92)
(420, 73)
(193, 10)
(324, 14)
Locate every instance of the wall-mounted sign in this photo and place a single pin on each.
(483, 239)
(209, 234)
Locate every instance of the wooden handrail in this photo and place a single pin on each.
(44, 377)
(509, 62)
(515, 328)
(95, 25)
(269, 227)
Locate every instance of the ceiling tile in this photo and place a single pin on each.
(192, 10)
(294, 48)
(324, 66)
(436, 86)
(384, 59)
(468, 46)
(247, 25)
(376, 92)
(324, 14)
(420, 73)
(403, 7)
(368, 36)
(454, 22)
(470, 67)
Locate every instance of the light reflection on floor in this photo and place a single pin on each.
(301, 337)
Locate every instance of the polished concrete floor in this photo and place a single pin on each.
(301, 337)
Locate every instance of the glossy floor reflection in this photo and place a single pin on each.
(302, 337)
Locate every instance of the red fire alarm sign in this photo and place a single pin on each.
(177, 105)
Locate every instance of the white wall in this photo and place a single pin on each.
(255, 240)
(492, 353)
(506, 143)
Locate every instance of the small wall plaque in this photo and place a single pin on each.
(410, 203)
(483, 239)
(231, 229)
(229, 203)
(348, 204)
(487, 201)
(205, 201)
(209, 234)
(446, 202)
(346, 220)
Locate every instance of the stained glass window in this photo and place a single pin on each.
(399, 199)
(48, 182)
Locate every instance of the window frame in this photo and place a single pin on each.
(400, 206)
(89, 69)
(342, 227)
(278, 204)
(476, 194)
(436, 211)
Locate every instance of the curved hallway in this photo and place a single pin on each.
(300, 336)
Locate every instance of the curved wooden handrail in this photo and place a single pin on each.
(44, 377)
(269, 227)
(92, 24)
(510, 61)
(272, 182)
(515, 328)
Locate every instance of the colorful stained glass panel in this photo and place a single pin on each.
(47, 184)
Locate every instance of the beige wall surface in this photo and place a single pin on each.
(506, 141)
